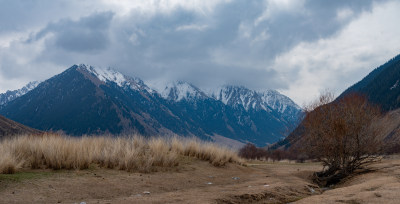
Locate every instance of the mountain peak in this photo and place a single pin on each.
(236, 96)
(105, 75)
(267, 100)
(277, 101)
(180, 90)
(110, 75)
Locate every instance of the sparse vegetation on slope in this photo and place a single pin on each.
(125, 153)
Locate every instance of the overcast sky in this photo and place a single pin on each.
(299, 47)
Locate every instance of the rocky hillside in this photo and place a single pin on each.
(9, 127)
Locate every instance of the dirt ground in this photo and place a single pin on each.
(380, 185)
(199, 182)
(194, 182)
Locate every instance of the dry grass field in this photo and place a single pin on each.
(133, 153)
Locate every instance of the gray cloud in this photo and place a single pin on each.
(235, 42)
(27, 15)
(88, 34)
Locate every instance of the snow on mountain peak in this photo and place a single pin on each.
(106, 74)
(277, 101)
(267, 100)
(111, 75)
(178, 90)
(11, 95)
(238, 96)
(31, 85)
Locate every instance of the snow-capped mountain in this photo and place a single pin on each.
(269, 100)
(288, 109)
(235, 96)
(90, 100)
(277, 101)
(240, 96)
(11, 95)
(180, 90)
(110, 75)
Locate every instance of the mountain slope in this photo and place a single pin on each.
(89, 100)
(9, 127)
(381, 86)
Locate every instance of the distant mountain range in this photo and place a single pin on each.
(382, 87)
(88, 100)
(11, 95)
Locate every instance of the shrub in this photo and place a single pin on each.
(342, 134)
(250, 151)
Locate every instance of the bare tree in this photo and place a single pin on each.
(343, 135)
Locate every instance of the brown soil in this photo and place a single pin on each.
(379, 185)
(199, 182)
(194, 182)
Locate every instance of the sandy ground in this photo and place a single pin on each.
(200, 182)
(381, 185)
(194, 182)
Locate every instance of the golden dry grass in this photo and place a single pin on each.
(133, 153)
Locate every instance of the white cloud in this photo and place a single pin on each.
(344, 14)
(19, 65)
(340, 61)
(7, 38)
(274, 7)
(124, 7)
(194, 27)
(263, 36)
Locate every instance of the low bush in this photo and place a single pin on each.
(250, 151)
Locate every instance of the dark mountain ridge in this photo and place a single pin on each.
(381, 86)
